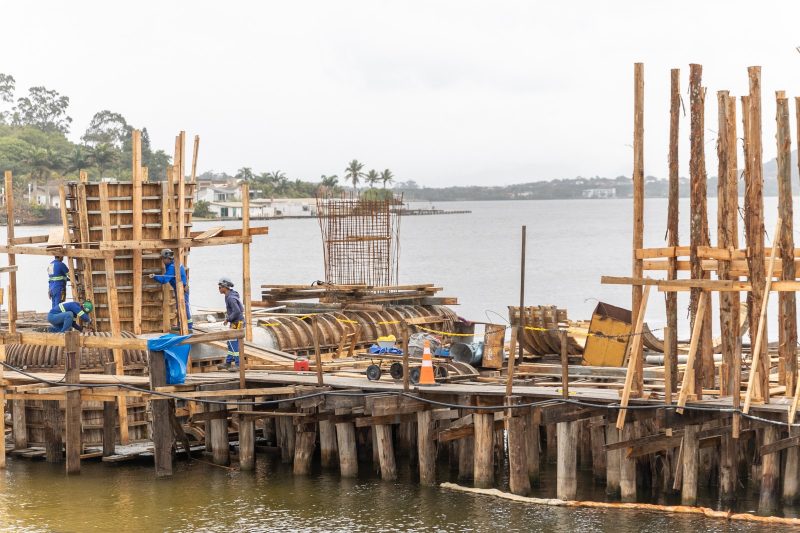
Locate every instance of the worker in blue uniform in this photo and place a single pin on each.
(168, 258)
(234, 318)
(65, 316)
(57, 276)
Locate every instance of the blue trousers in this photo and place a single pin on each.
(233, 345)
(60, 322)
(55, 291)
(188, 312)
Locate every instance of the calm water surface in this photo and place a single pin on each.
(472, 256)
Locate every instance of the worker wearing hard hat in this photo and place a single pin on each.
(168, 258)
(65, 316)
(57, 275)
(234, 317)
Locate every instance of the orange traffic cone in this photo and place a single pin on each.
(426, 372)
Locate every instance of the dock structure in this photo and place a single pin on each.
(638, 428)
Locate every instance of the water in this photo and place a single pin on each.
(475, 257)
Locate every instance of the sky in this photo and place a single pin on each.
(440, 92)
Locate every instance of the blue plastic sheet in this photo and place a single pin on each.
(176, 355)
(378, 350)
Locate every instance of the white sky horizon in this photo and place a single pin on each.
(444, 93)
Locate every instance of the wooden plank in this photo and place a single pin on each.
(213, 232)
(179, 259)
(136, 173)
(757, 364)
(246, 289)
(72, 405)
(67, 234)
(3, 407)
(638, 201)
(688, 383)
(12, 276)
(633, 361)
(779, 445)
(195, 151)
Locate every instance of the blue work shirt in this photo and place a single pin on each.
(57, 273)
(169, 275)
(74, 308)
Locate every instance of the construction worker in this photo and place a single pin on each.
(234, 318)
(57, 276)
(168, 258)
(65, 316)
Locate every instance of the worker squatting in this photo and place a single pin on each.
(64, 316)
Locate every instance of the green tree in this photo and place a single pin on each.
(386, 177)
(329, 181)
(78, 159)
(354, 172)
(43, 108)
(104, 156)
(202, 209)
(42, 163)
(107, 128)
(245, 174)
(7, 85)
(372, 177)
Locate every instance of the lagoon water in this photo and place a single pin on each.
(475, 257)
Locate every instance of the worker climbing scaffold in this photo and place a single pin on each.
(234, 318)
(57, 275)
(168, 258)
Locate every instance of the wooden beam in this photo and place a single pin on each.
(246, 291)
(62, 193)
(672, 217)
(136, 174)
(633, 361)
(688, 383)
(12, 276)
(757, 356)
(638, 192)
(72, 404)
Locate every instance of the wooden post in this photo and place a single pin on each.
(754, 216)
(669, 365)
(2, 407)
(426, 448)
(787, 303)
(242, 365)
(770, 473)
(248, 322)
(597, 436)
(110, 418)
(566, 465)
(727, 313)
(612, 460)
(12, 275)
(136, 174)
(532, 432)
(518, 477)
(72, 404)
(62, 193)
(383, 434)
(672, 218)
(163, 438)
(51, 414)
(791, 472)
(466, 458)
(704, 365)
(521, 328)
(406, 334)
(346, 441)
(564, 364)
(627, 467)
(634, 362)
(327, 443)
(689, 382)
(483, 471)
(247, 438)
(690, 457)
(758, 369)
(317, 353)
(19, 424)
(638, 206)
(305, 442)
(732, 205)
(195, 150)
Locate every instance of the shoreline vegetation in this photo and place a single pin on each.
(34, 145)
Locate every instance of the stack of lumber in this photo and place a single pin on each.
(420, 294)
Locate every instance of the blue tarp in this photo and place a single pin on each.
(378, 350)
(175, 355)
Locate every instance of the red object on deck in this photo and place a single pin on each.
(301, 365)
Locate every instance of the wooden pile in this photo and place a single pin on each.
(419, 294)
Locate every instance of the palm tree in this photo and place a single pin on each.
(276, 178)
(103, 156)
(245, 174)
(386, 177)
(77, 160)
(372, 177)
(354, 173)
(329, 181)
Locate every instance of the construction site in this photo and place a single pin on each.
(358, 371)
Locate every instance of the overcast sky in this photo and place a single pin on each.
(440, 92)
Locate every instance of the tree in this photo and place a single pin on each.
(329, 181)
(104, 156)
(42, 162)
(78, 159)
(107, 128)
(44, 109)
(245, 174)
(353, 172)
(7, 85)
(386, 177)
(372, 177)
(202, 209)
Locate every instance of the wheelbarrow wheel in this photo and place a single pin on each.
(396, 370)
(373, 372)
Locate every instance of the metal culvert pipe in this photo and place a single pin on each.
(294, 335)
(31, 357)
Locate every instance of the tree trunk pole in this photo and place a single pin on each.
(672, 214)
(704, 365)
(754, 213)
(638, 207)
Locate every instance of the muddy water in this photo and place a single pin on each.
(35, 496)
